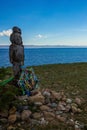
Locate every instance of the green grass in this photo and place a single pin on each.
(69, 77)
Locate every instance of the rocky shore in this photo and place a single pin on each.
(44, 107)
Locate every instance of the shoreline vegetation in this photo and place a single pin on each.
(71, 78)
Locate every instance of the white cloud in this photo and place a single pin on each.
(39, 36)
(6, 33)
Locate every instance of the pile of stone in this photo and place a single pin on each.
(43, 107)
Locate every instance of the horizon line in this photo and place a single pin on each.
(48, 46)
(44, 45)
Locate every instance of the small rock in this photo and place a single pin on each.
(18, 115)
(34, 122)
(25, 114)
(53, 105)
(70, 122)
(69, 101)
(49, 116)
(46, 94)
(64, 98)
(25, 107)
(79, 110)
(12, 118)
(22, 107)
(37, 98)
(61, 107)
(44, 108)
(77, 127)
(62, 103)
(62, 93)
(18, 124)
(22, 98)
(58, 112)
(75, 93)
(74, 109)
(37, 103)
(74, 104)
(43, 121)
(56, 95)
(11, 127)
(12, 110)
(37, 115)
(68, 108)
(60, 118)
(78, 101)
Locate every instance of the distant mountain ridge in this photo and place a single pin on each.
(47, 46)
(53, 46)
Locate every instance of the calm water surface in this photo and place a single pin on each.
(41, 56)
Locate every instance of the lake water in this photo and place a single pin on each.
(41, 56)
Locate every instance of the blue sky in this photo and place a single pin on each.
(45, 22)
